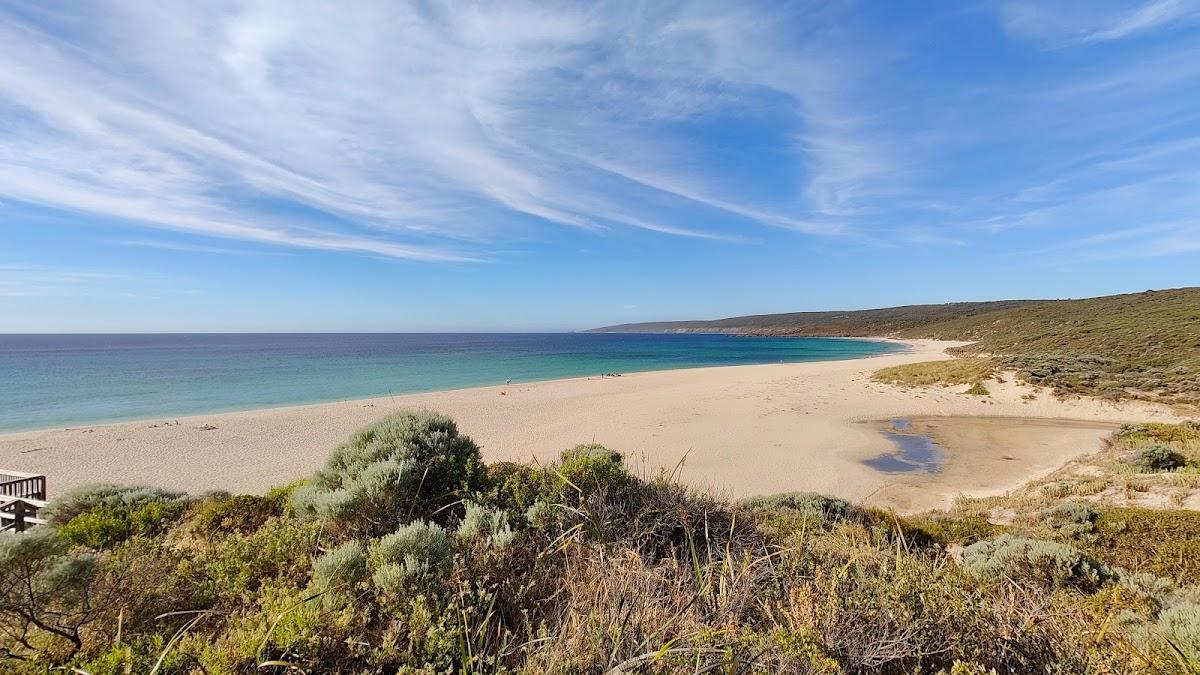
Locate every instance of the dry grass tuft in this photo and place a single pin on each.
(951, 372)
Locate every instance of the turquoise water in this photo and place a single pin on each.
(51, 381)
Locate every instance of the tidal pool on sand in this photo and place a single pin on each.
(915, 452)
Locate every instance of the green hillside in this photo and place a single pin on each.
(856, 323)
(1140, 344)
(1144, 345)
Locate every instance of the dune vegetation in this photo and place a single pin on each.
(1137, 345)
(407, 553)
(1140, 345)
(954, 371)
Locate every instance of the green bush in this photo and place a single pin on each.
(411, 554)
(978, 389)
(1035, 562)
(489, 526)
(1162, 542)
(592, 468)
(104, 527)
(341, 569)
(517, 487)
(45, 590)
(809, 504)
(84, 498)
(242, 514)
(234, 567)
(406, 466)
(1158, 457)
(944, 530)
(1073, 520)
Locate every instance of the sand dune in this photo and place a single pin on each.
(740, 430)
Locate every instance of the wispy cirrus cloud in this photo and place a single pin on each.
(417, 131)
(1081, 22)
(460, 132)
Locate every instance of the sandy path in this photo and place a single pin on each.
(744, 429)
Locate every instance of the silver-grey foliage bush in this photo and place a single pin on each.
(84, 498)
(488, 525)
(405, 466)
(413, 553)
(1035, 562)
(1180, 625)
(44, 587)
(1073, 520)
(341, 569)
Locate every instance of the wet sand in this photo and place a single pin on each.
(976, 456)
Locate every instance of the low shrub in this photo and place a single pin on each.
(1035, 562)
(1180, 627)
(84, 498)
(810, 504)
(1165, 543)
(406, 466)
(1158, 457)
(232, 568)
(1073, 520)
(342, 569)
(104, 527)
(414, 553)
(45, 590)
(242, 514)
(963, 530)
(517, 487)
(588, 469)
(489, 526)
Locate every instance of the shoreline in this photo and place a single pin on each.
(103, 422)
(742, 430)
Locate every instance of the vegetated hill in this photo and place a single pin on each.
(1139, 344)
(407, 553)
(857, 323)
(1144, 345)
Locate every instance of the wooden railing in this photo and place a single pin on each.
(22, 495)
(18, 513)
(18, 484)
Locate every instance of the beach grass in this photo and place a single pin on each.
(948, 372)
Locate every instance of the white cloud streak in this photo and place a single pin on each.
(1062, 23)
(419, 131)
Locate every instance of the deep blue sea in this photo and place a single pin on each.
(49, 381)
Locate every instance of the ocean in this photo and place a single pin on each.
(49, 381)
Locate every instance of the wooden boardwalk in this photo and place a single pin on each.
(22, 495)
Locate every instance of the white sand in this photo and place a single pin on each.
(743, 430)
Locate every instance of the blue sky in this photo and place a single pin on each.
(257, 166)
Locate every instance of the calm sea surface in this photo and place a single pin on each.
(51, 381)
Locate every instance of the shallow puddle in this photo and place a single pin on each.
(915, 452)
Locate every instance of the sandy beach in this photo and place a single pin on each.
(739, 430)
